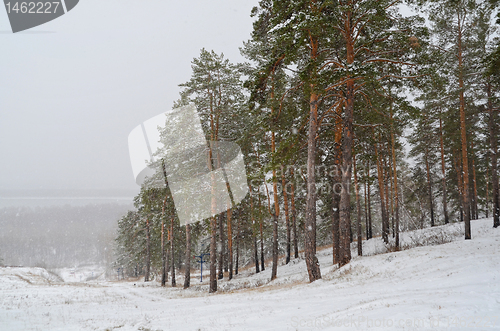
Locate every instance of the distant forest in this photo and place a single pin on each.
(59, 236)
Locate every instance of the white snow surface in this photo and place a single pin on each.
(451, 286)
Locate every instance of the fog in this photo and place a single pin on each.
(60, 236)
(71, 91)
(73, 88)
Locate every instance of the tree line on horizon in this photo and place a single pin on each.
(355, 122)
(59, 236)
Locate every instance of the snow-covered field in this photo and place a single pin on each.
(450, 286)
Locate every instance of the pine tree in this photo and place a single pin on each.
(453, 27)
(425, 150)
(216, 90)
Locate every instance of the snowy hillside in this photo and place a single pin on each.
(450, 286)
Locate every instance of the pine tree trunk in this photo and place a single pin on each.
(276, 212)
(167, 255)
(213, 255)
(229, 244)
(351, 236)
(287, 216)
(222, 248)
(476, 212)
(473, 188)
(172, 251)
(493, 155)
(187, 263)
(390, 173)
(443, 171)
(336, 226)
(386, 177)
(213, 221)
(310, 220)
(370, 226)
(345, 195)
(254, 231)
(262, 262)
(337, 187)
(429, 186)
(367, 230)
(347, 143)
(294, 218)
(369, 205)
(256, 255)
(395, 174)
(487, 202)
(385, 229)
(275, 215)
(237, 246)
(463, 135)
(163, 255)
(274, 271)
(148, 251)
(358, 207)
(458, 170)
(262, 266)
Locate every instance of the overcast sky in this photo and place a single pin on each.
(72, 89)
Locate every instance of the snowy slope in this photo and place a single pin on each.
(81, 274)
(451, 286)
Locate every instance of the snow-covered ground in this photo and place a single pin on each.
(84, 273)
(450, 286)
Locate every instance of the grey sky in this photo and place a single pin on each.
(73, 89)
